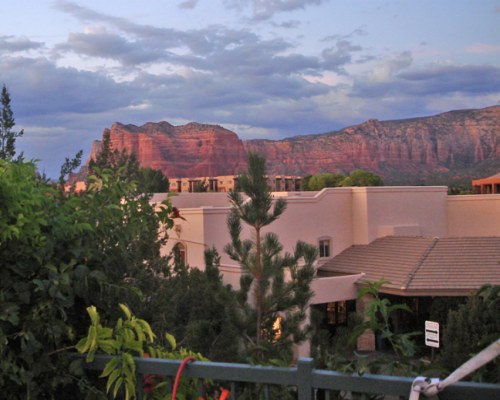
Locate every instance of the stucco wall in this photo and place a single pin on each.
(346, 216)
(474, 215)
(405, 209)
(325, 215)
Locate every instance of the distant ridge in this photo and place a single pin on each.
(455, 146)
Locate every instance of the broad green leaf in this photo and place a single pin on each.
(83, 345)
(112, 378)
(135, 345)
(171, 340)
(126, 311)
(118, 383)
(110, 367)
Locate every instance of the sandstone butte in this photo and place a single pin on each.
(459, 144)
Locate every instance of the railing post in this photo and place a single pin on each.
(304, 378)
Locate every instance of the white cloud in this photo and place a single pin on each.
(385, 70)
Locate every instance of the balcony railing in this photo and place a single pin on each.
(306, 380)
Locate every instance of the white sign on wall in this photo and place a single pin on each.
(432, 334)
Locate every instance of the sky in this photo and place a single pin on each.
(261, 68)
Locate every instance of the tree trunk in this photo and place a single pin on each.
(258, 286)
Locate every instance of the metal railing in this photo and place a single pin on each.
(306, 380)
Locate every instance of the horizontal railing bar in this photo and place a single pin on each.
(399, 386)
(210, 370)
(367, 383)
(471, 390)
(319, 379)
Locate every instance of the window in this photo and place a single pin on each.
(324, 248)
(179, 252)
(336, 313)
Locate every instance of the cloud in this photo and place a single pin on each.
(265, 9)
(17, 44)
(385, 70)
(292, 24)
(188, 4)
(41, 88)
(107, 45)
(215, 49)
(433, 80)
(336, 57)
(473, 79)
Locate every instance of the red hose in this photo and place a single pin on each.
(178, 376)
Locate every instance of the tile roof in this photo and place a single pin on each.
(423, 266)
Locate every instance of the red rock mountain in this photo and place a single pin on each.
(190, 150)
(463, 144)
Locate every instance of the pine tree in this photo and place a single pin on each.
(7, 122)
(279, 301)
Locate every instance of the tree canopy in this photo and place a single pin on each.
(358, 177)
(7, 122)
(148, 180)
(60, 252)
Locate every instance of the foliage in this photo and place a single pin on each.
(130, 337)
(325, 180)
(335, 351)
(152, 181)
(58, 252)
(199, 311)
(358, 177)
(338, 352)
(471, 328)
(272, 317)
(379, 312)
(7, 122)
(68, 167)
(361, 177)
(148, 180)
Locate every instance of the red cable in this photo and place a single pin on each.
(178, 376)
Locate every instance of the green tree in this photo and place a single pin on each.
(60, 252)
(278, 304)
(148, 180)
(305, 182)
(200, 311)
(151, 180)
(109, 158)
(361, 177)
(258, 212)
(7, 122)
(324, 180)
(469, 329)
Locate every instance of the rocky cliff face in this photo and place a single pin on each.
(456, 143)
(180, 151)
(420, 148)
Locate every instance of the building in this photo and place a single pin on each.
(229, 182)
(489, 185)
(422, 240)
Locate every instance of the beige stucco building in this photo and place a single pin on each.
(346, 223)
(229, 182)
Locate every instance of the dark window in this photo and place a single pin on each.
(179, 252)
(324, 248)
(336, 313)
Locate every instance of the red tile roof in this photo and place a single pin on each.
(423, 266)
